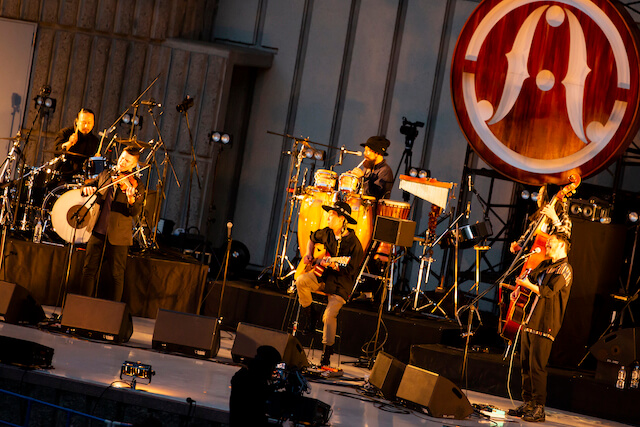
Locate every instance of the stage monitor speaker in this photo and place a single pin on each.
(396, 231)
(97, 318)
(18, 306)
(186, 333)
(299, 409)
(250, 337)
(386, 374)
(14, 351)
(621, 347)
(440, 396)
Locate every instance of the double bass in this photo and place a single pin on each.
(513, 318)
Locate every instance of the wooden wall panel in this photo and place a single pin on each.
(68, 12)
(87, 14)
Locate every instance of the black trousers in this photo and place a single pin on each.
(534, 356)
(114, 263)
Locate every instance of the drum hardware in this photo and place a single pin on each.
(65, 153)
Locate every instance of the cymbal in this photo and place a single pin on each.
(69, 153)
(133, 142)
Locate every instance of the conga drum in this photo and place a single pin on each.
(349, 183)
(393, 209)
(311, 216)
(362, 209)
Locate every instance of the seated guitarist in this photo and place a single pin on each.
(551, 282)
(556, 218)
(336, 281)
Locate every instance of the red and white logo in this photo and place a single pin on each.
(543, 89)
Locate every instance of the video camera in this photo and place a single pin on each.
(410, 130)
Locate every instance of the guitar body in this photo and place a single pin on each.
(319, 255)
(519, 304)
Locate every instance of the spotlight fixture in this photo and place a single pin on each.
(311, 153)
(220, 137)
(136, 370)
(525, 194)
(129, 119)
(593, 209)
(633, 217)
(534, 196)
(419, 173)
(45, 103)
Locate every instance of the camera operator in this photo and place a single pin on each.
(378, 176)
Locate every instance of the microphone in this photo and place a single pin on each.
(229, 225)
(107, 131)
(185, 105)
(151, 103)
(355, 153)
(469, 184)
(468, 210)
(535, 251)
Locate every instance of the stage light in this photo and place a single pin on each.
(633, 217)
(45, 103)
(534, 196)
(418, 173)
(136, 370)
(525, 194)
(311, 153)
(220, 137)
(128, 119)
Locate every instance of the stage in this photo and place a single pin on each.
(85, 377)
(85, 373)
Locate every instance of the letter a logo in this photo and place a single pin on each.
(543, 89)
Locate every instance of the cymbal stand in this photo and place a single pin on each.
(160, 187)
(277, 272)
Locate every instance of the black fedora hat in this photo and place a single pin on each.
(342, 209)
(379, 144)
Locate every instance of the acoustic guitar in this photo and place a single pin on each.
(319, 255)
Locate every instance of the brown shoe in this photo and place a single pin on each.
(520, 410)
(535, 415)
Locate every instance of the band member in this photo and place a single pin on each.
(112, 234)
(337, 281)
(77, 139)
(551, 282)
(378, 176)
(556, 218)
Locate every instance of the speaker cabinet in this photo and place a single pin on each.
(250, 337)
(14, 351)
(97, 318)
(440, 396)
(18, 306)
(621, 347)
(386, 374)
(396, 231)
(186, 333)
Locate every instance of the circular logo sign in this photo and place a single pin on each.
(543, 89)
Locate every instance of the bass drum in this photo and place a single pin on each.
(65, 212)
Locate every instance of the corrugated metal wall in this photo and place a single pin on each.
(102, 54)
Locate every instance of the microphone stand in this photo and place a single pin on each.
(193, 167)
(226, 266)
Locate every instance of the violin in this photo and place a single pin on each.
(126, 180)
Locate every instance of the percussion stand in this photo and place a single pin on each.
(454, 287)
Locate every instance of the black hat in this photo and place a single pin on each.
(342, 209)
(379, 144)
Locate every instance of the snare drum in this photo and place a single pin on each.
(393, 208)
(349, 183)
(325, 179)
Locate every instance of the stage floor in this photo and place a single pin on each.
(207, 382)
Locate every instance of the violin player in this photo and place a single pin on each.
(112, 234)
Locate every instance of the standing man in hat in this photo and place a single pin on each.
(336, 280)
(378, 176)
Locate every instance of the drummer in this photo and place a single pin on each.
(77, 139)
(378, 176)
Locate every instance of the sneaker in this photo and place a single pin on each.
(520, 410)
(535, 415)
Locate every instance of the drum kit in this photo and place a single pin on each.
(39, 199)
